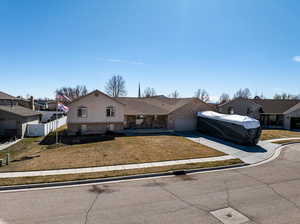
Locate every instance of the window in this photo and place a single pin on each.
(82, 112)
(110, 112)
(249, 111)
(230, 110)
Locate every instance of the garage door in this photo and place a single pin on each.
(8, 127)
(185, 124)
(295, 122)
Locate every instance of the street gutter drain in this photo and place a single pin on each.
(179, 172)
(229, 216)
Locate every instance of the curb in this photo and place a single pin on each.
(115, 179)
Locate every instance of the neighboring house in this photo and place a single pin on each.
(51, 105)
(271, 113)
(47, 105)
(98, 112)
(14, 120)
(6, 99)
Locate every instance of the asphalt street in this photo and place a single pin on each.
(269, 193)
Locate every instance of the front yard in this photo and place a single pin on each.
(274, 133)
(29, 154)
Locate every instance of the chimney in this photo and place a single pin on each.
(32, 107)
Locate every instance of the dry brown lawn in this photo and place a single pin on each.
(274, 133)
(72, 177)
(30, 155)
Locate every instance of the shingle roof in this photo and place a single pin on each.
(275, 106)
(152, 105)
(95, 92)
(18, 110)
(157, 105)
(5, 96)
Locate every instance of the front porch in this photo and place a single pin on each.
(146, 122)
(271, 120)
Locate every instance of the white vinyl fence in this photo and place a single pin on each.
(43, 129)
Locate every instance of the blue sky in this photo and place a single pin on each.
(218, 45)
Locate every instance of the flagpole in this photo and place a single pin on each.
(56, 134)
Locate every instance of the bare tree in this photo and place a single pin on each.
(174, 94)
(115, 87)
(224, 98)
(285, 96)
(72, 92)
(242, 93)
(202, 94)
(148, 92)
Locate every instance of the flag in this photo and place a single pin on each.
(63, 98)
(62, 107)
(67, 98)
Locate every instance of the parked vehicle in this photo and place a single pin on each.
(236, 128)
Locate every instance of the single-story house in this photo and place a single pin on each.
(98, 112)
(6, 99)
(270, 112)
(14, 120)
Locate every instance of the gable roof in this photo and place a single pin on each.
(18, 110)
(157, 105)
(5, 96)
(292, 109)
(237, 99)
(271, 106)
(153, 105)
(93, 92)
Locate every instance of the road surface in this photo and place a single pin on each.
(269, 193)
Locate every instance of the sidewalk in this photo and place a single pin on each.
(112, 168)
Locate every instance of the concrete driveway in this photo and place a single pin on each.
(265, 194)
(8, 144)
(248, 154)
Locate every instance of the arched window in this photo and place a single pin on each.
(82, 112)
(230, 110)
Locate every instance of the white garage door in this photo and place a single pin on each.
(182, 124)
